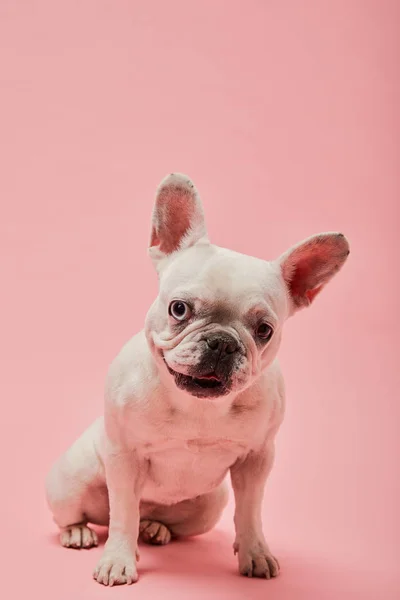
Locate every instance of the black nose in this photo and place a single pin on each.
(222, 343)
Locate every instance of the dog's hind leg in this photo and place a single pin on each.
(77, 494)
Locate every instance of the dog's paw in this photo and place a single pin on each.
(78, 536)
(153, 532)
(255, 559)
(116, 568)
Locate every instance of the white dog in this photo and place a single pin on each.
(196, 395)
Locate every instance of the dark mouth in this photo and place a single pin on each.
(210, 381)
(209, 385)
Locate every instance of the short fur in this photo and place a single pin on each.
(190, 400)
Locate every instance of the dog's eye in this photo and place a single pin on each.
(179, 310)
(264, 332)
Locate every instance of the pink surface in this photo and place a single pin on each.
(286, 116)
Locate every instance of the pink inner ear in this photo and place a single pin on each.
(171, 222)
(303, 278)
(310, 266)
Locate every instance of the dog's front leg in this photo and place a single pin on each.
(125, 474)
(248, 480)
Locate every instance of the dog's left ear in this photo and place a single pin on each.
(178, 219)
(307, 267)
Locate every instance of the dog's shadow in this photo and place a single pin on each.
(206, 555)
(207, 563)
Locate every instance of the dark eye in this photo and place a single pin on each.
(264, 332)
(179, 310)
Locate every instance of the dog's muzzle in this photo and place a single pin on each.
(211, 377)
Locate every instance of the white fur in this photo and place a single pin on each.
(157, 462)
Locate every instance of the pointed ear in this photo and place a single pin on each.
(307, 267)
(178, 219)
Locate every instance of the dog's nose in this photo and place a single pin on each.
(222, 343)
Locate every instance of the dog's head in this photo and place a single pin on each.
(217, 322)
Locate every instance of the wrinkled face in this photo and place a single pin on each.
(217, 321)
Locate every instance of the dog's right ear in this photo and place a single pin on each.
(178, 219)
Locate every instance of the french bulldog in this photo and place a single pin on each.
(197, 394)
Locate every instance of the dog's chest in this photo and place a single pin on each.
(184, 468)
(189, 455)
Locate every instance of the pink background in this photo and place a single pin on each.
(286, 114)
